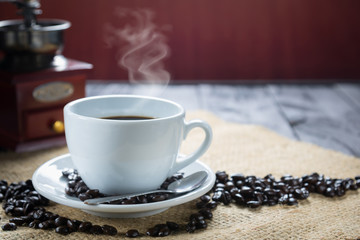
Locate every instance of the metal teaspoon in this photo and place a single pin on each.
(183, 185)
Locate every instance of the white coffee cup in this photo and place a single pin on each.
(128, 156)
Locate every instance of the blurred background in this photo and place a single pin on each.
(228, 41)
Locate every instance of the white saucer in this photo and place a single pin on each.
(48, 181)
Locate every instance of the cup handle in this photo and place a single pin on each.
(183, 161)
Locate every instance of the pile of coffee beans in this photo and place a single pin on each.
(26, 206)
(76, 187)
(196, 221)
(21, 201)
(252, 191)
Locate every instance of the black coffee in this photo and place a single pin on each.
(128, 118)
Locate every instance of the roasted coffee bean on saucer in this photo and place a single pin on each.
(76, 187)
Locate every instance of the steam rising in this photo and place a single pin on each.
(143, 46)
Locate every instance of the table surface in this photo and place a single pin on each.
(326, 115)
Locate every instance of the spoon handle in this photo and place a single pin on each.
(96, 201)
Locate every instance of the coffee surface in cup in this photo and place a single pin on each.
(128, 118)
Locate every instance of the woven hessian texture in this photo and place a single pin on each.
(247, 149)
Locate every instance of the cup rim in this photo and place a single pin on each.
(67, 108)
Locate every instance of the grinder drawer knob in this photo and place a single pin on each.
(58, 127)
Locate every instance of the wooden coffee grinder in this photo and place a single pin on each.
(36, 81)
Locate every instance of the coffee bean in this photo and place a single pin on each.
(153, 232)
(132, 233)
(246, 191)
(51, 223)
(206, 213)
(35, 200)
(3, 189)
(238, 177)
(34, 224)
(84, 196)
(239, 199)
(292, 201)
(141, 199)
(320, 187)
(234, 191)
(28, 208)
(3, 182)
(94, 193)
(81, 189)
(9, 226)
(132, 200)
(18, 221)
(63, 230)
(196, 216)
(48, 215)
(205, 198)
(197, 221)
(9, 209)
(250, 181)
(253, 204)
(259, 196)
(73, 225)
(301, 193)
(272, 202)
(67, 171)
(27, 219)
(229, 185)
(163, 232)
(73, 176)
(159, 230)
(357, 182)
(44, 225)
(221, 176)
(61, 221)
(329, 192)
(201, 224)
(85, 227)
(96, 229)
(172, 225)
(20, 203)
(353, 186)
(39, 214)
(109, 230)
(211, 205)
(158, 198)
(226, 198)
(190, 227)
(70, 191)
(218, 195)
(239, 183)
(339, 191)
(17, 211)
(269, 192)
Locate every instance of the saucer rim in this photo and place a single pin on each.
(115, 208)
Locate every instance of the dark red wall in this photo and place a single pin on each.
(228, 39)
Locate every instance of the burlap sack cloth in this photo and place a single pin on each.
(251, 150)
